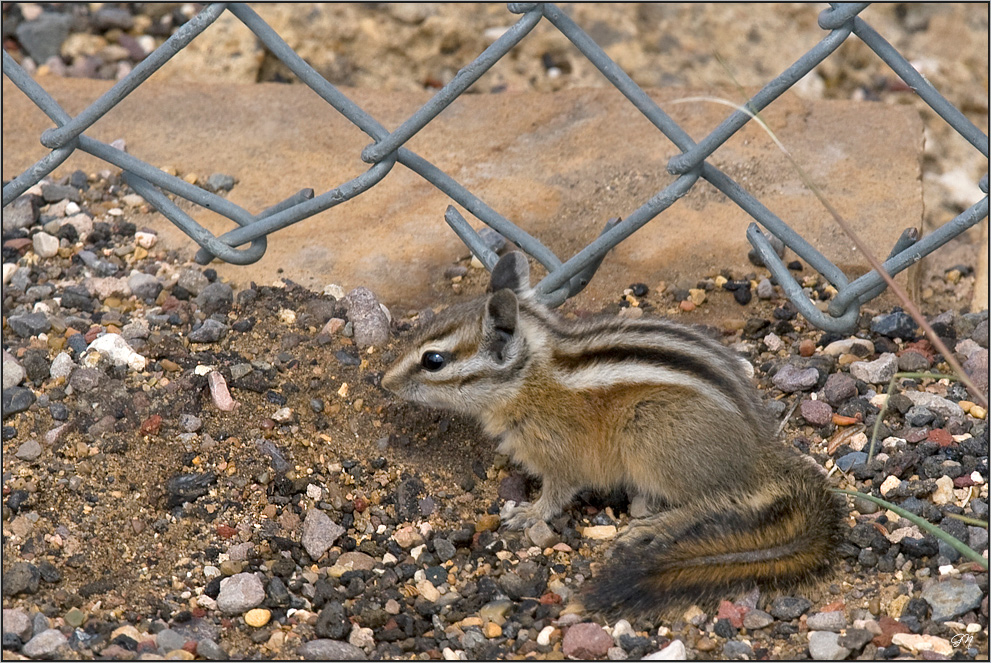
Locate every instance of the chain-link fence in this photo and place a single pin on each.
(564, 279)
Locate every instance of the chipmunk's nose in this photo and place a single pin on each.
(390, 381)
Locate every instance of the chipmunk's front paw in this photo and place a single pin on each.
(521, 516)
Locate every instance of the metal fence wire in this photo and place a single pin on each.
(564, 279)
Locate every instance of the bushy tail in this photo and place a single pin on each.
(699, 555)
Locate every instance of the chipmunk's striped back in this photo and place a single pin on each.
(652, 406)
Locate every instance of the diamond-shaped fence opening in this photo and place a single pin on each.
(247, 243)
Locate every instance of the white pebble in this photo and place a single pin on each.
(544, 637)
(145, 240)
(45, 245)
(116, 349)
(673, 652)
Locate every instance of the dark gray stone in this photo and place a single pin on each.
(215, 298)
(919, 416)
(29, 324)
(210, 331)
(77, 297)
(789, 607)
(187, 487)
(894, 325)
(16, 400)
(851, 459)
(332, 622)
(445, 550)
(21, 578)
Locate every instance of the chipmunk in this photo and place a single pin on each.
(647, 405)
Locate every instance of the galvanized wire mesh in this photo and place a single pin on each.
(247, 243)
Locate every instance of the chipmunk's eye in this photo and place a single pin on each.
(433, 361)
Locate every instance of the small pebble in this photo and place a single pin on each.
(586, 640)
(879, 371)
(675, 651)
(790, 378)
(219, 393)
(827, 621)
(825, 646)
(239, 593)
(257, 617)
(319, 533)
(817, 413)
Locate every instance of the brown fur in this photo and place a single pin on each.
(669, 414)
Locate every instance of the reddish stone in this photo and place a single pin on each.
(963, 481)
(170, 304)
(734, 613)
(806, 349)
(835, 606)
(92, 333)
(889, 627)
(550, 598)
(941, 436)
(586, 640)
(151, 425)
(190, 646)
(226, 531)
(360, 504)
(841, 420)
(20, 244)
(198, 613)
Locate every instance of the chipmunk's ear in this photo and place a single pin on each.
(501, 314)
(512, 272)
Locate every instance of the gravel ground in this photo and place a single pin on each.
(190, 471)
